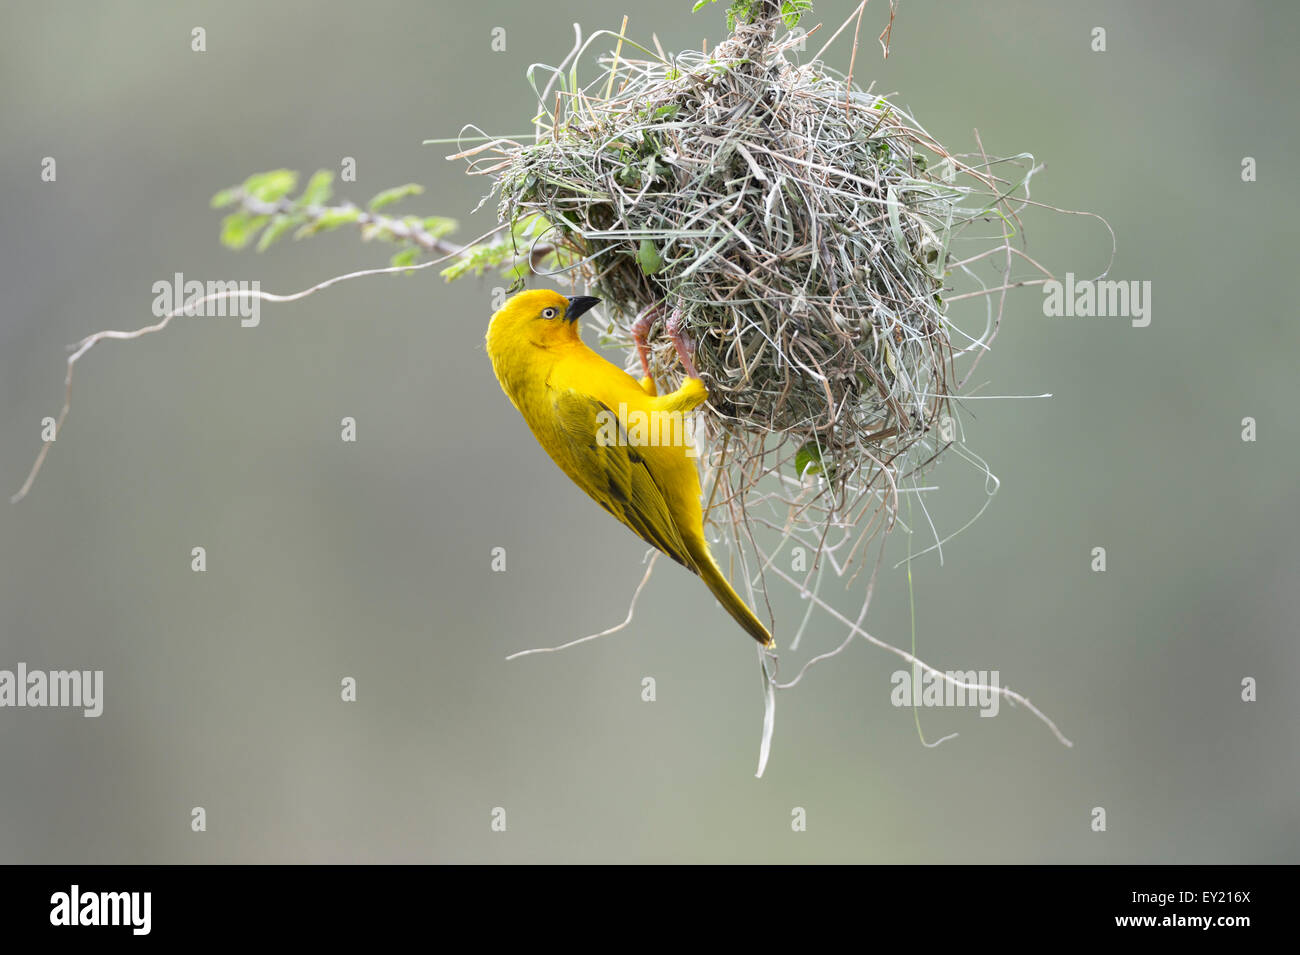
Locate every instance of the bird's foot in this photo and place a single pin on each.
(681, 341)
(687, 398)
(640, 329)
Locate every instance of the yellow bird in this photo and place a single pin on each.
(578, 406)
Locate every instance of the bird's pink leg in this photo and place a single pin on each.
(640, 329)
(681, 342)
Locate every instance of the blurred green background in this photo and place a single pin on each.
(371, 560)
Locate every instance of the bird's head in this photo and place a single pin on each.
(540, 317)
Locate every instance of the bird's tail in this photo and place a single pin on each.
(712, 576)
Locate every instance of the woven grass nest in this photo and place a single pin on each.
(799, 225)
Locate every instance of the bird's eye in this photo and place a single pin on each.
(549, 313)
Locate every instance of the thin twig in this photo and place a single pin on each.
(192, 306)
(650, 566)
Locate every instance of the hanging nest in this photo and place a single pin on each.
(802, 228)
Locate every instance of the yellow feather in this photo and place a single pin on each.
(588, 415)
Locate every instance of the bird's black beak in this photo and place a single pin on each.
(578, 305)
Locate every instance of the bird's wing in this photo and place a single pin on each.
(614, 473)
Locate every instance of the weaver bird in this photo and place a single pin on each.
(577, 405)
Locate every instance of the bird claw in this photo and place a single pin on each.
(640, 329)
(673, 326)
(681, 341)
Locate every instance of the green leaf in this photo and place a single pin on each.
(396, 194)
(330, 219)
(408, 256)
(647, 256)
(455, 270)
(792, 10)
(808, 460)
(479, 259)
(318, 191)
(438, 226)
(238, 228)
(278, 229)
(227, 196)
(528, 226)
(271, 186)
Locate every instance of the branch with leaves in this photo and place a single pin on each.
(264, 212)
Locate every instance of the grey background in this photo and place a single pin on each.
(371, 560)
